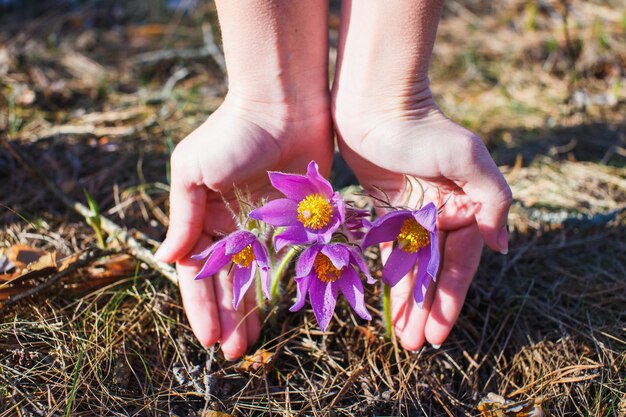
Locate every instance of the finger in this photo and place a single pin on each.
(456, 211)
(253, 324)
(187, 213)
(462, 252)
(413, 334)
(234, 339)
(412, 337)
(486, 186)
(199, 298)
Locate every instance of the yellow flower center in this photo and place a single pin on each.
(325, 269)
(412, 236)
(245, 257)
(314, 211)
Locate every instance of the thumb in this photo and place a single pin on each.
(187, 208)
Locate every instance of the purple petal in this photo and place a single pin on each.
(339, 206)
(306, 260)
(433, 263)
(352, 288)
(323, 297)
(427, 217)
(242, 279)
(359, 261)
(295, 234)
(295, 187)
(260, 254)
(281, 212)
(423, 278)
(209, 250)
(303, 284)
(262, 260)
(398, 265)
(216, 261)
(266, 282)
(237, 241)
(338, 255)
(321, 183)
(386, 228)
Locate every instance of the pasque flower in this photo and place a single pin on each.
(322, 270)
(247, 254)
(414, 234)
(311, 211)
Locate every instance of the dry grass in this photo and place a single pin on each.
(545, 323)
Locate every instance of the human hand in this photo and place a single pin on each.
(235, 147)
(384, 141)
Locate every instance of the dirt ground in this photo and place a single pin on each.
(95, 95)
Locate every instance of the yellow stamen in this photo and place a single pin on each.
(245, 257)
(314, 211)
(412, 236)
(325, 269)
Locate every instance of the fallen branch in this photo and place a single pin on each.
(112, 229)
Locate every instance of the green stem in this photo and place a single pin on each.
(387, 311)
(280, 271)
(100, 236)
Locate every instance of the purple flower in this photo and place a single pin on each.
(414, 234)
(322, 270)
(355, 223)
(311, 212)
(246, 253)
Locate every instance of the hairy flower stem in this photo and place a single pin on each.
(280, 271)
(387, 311)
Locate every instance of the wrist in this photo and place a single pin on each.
(411, 99)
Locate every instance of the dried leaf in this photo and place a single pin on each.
(494, 405)
(5, 264)
(23, 255)
(257, 360)
(113, 267)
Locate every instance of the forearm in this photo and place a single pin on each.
(385, 47)
(276, 51)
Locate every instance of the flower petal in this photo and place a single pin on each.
(209, 250)
(422, 280)
(262, 260)
(266, 282)
(398, 265)
(359, 261)
(242, 279)
(216, 261)
(237, 241)
(352, 288)
(292, 235)
(321, 183)
(338, 254)
(427, 217)
(295, 187)
(386, 228)
(306, 260)
(303, 284)
(280, 212)
(323, 297)
(433, 263)
(261, 255)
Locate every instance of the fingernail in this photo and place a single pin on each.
(436, 346)
(503, 240)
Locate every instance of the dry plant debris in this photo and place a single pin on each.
(542, 329)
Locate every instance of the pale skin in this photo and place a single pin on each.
(278, 115)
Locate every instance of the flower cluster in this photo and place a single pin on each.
(328, 236)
